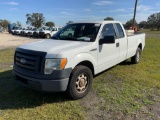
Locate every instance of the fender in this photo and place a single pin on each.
(80, 58)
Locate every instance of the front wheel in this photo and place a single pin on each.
(80, 82)
(48, 36)
(136, 58)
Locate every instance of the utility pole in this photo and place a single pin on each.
(135, 8)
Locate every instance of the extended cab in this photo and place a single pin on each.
(69, 63)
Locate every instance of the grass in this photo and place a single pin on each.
(148, 31)
(125, 88)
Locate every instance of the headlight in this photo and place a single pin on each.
(54, 64)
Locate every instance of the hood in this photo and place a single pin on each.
(53, 47)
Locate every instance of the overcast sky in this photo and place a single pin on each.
(62, 11)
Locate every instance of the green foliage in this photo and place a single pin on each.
(50, 24)
(153, 21)
(108, 18)
(130, 23)
(35, 19)
(18, 23)
(142, 24)
(4, 23)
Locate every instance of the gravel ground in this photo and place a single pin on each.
(8, 40)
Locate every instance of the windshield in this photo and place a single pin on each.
(78, 32)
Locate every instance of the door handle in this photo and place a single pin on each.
(117, 44)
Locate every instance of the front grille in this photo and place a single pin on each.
(30, 61)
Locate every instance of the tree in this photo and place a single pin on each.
(152, 21)
(69, 22)
(108, 18)
(18, 23)
(158, 21)
(4, 23)
(35, 19)
(50, 24)
(142, 24)
(130, 23)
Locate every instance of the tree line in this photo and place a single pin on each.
(38, 20)
(35, 19)
(153, 22)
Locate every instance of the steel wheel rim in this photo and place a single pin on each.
(138, 56)
(82, 83)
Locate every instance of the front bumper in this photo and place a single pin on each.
(56, 82)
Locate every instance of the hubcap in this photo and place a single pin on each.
(81, 83)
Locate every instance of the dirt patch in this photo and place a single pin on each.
(10, 41)
(95, 107)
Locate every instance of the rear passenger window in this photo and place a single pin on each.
(120, 31)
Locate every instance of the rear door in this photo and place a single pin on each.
(122, 42)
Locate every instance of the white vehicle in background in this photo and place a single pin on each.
(30, 33)
(18, 31)
(36, 33)
(49, 32)
(25, 32)
(13, 30)
(22, 31)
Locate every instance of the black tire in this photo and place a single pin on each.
(80, 82)
(136, 58)
(48, 36)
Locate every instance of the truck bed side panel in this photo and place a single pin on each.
(133, 42)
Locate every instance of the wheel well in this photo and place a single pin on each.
(140, 46)
(87, 64)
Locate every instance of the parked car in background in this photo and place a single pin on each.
(25, 32)
(36, 33)
(18, 31)
(30, 32)
(22, 31)
(49, 32)
(14, 29)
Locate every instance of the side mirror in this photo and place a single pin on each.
(107, 40)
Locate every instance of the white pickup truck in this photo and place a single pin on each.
(49, 32)
(69, 63)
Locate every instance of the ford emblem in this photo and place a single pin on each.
(23, 61)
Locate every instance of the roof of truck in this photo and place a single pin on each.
(100, 22)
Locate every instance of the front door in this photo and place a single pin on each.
(108, 53)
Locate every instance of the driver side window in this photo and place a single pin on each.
(108, 30)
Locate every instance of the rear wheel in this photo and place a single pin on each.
(80, 82)
(136, 58)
